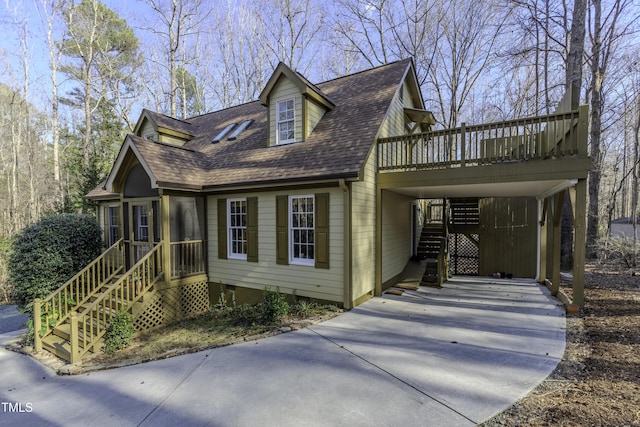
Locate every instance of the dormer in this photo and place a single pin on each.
(294, 106)
(161, 128)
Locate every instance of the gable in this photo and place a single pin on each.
(406, 113)
(294, 106)
(130, 159)
(161, 128)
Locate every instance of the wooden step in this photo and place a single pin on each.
(58, 346)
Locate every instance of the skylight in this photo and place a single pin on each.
(239, 129)
(223, 133)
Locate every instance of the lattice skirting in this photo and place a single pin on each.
(464, 254)
(186, 300)
(195, 298)
(152, 314)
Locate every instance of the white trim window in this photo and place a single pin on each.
(285, 121)
(237, 228)
(113, 224)
(301, 230)
(141, 223)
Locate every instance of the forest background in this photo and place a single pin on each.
(75, 75)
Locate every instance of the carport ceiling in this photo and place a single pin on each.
(507, 189)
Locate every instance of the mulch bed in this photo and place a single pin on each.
(598, 381)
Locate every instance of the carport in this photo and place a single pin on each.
(538, 160)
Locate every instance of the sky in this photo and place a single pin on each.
(13, 13)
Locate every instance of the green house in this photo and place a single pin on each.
(326, 191)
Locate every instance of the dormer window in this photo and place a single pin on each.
(286, 121)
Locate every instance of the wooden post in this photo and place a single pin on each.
(37, 324)
(378, 243)
(582, 130)
(463, 138)
(165, 227)
(73, 338)
(557, 228)
(543, 224)
(579, 203)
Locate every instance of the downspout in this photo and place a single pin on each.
(348, 285)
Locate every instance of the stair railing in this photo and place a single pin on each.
(90, 325)
(57, 307)
(442, 262)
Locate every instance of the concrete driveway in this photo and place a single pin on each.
(433, 357)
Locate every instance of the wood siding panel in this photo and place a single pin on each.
(508, 236)
(148, 129)
(284, 89)
(363, 226)
(167, 139)
(308, 281)
(314, 114)
(396, 233)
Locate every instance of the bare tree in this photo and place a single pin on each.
(179, 20)
(368, 28)
(469, 31)
(605, 36)
(49, 11)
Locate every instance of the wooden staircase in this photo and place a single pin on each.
(73, 320)
(431, 247)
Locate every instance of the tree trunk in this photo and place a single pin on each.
(595, 173)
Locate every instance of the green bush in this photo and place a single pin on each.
(274, 306)
(119, 332)
(245, 315)
(48, 253)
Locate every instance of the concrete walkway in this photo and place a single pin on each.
(433, 357)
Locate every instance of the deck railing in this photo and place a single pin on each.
(188, 258)
(89, 325)
(542, 137)
(57, 307)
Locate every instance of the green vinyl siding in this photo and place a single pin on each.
(363, 226)
(301, 280)
(313, 116)
(396, 233)
(285, 89)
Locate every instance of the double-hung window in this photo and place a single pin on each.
(237, 226)
(113, 224)
(285, 121)
(302, 233)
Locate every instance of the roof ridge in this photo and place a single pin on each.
(223, 109)
(164, 144)
(168, 116)
(388, 64)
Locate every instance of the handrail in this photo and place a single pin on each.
(442, 267)
(58, 306)
(187, 258)
(532, 138)
(123, 294)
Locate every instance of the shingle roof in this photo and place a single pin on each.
(337, 148)
(170, 122)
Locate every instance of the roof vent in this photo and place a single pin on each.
(223, 133)
(239, 129)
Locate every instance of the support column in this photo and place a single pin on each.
(378, 242)
(165, 230)
(578, 196)
(557, 228)
(544, 225)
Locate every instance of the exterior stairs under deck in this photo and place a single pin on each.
(430, 248)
